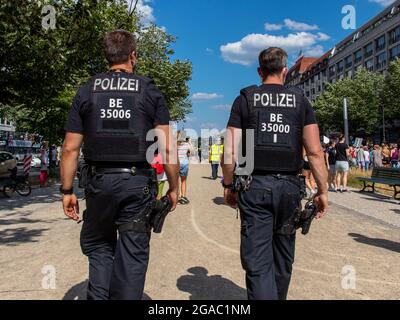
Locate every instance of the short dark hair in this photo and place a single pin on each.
(118, 46)
(272, 61)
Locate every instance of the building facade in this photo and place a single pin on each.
(373, 46)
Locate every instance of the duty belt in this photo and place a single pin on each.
(150, 173)
(296, 180)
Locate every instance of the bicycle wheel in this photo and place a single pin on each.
(24, 189)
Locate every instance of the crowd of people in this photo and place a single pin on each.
(50, 159)
(341, 158)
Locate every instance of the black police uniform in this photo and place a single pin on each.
(114, 111)
(278, 116)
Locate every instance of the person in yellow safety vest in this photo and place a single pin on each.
(216, 152)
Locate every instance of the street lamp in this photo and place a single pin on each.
(383, 124)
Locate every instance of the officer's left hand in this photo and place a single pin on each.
(71, 207)
(231, 198)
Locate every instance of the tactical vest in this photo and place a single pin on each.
(277, 117)
(115, 123)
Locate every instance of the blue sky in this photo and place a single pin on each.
(222, 38)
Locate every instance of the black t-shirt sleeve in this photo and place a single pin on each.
(75, 119)
(235, 119)
(157, 106)
(310, 113)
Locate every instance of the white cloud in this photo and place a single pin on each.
(209, 50)
(383, 3)
(144, 9)
(299, 26)
(245, 51)
(272, 27)
(315, 51)
(224, 107)
(201, 96)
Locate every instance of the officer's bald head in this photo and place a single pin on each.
(273, 61)
(118, 46)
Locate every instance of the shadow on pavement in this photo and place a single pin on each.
(17, 236)
(78, 293)
(201, 286)
(380, 243)
(378, 197)
(44, 196)
(219, 201)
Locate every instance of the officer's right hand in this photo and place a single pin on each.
(71, 207)
(321, 201)
(173, 196)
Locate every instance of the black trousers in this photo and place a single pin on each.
(117, 264)
(268, 257)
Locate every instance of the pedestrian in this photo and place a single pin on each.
(367, 159)
(377, 157)
(331, 161)
(310, 182)
(271, 199)
(386, 155)
(162, 178)
(342, 164)
(120, 185)
(53, 157)
(199, 152)
(395, 156)
(361, 158)
(353, 157)
(184, 152)
(216, 151)
(44, 166)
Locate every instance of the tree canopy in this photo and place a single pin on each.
(41, 68)
(367, 93)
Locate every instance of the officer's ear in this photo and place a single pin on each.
(133, 57)
(260, 73)
(285, 71)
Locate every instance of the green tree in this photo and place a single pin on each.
(41, 69)
(364, 102)
(391, 91)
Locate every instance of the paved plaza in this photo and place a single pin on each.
(354, 253)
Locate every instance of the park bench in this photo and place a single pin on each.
(386, 176)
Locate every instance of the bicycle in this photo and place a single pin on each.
(18, 184)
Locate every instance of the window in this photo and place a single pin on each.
(381, 61)
(369, 50)
(369, 65)
(340, 66)
(313, 91)
(394, 35)
(349, 62)
(307, 94)
(394, 52)
(380, 43)
(358, 56)
(331, 71)
(319, 88)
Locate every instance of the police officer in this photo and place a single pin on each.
(112, 114)
(283, 122)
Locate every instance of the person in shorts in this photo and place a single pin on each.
(342, 164)
(184, 151)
